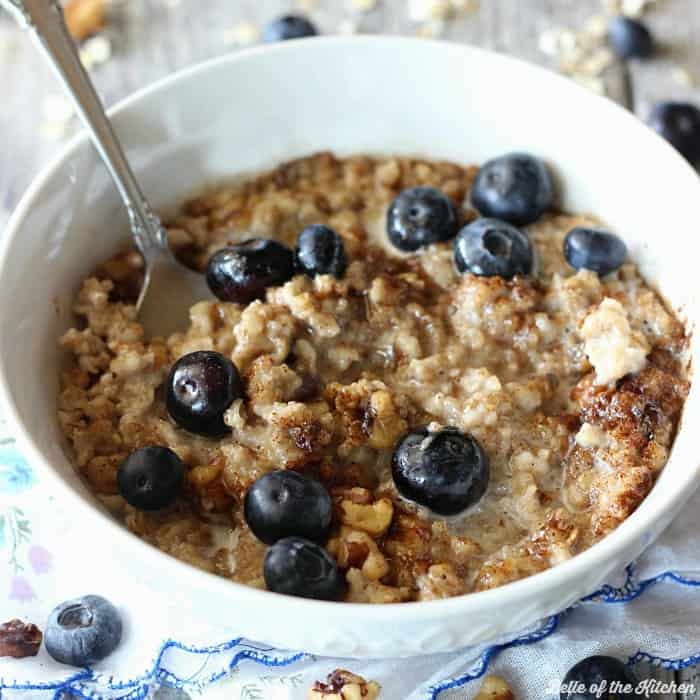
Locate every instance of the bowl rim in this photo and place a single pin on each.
(536, 584)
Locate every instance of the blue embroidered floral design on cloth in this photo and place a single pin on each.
(15, 474)
(168, 655)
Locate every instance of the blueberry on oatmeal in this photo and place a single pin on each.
(242, 273)
(299, 567)
(594, 249)
(492, 248)
(585, 680)
(151, 478)
(82, 631)
(200, 388)
(446, 470)
(629, 38)
(289, 27)
(679, 124)
(320, 251)
(516, 187)
(285, 503)
(420, 216)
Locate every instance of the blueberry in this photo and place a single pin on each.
(493, 248)
(594, 249)
(320, 251)
(151, 478)
(446, 471)
(288, 27)
(516, 187)
(630, 38)
(200, 387)
(588, 676)
(299, 567)
(285, 503)
(82, 631)
(679, 124)
(420, 216)
(242, 272)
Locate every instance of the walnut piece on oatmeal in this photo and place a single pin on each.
(373, 518)
(495, 688)
(343, 685)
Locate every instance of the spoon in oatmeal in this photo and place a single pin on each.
(169, 288)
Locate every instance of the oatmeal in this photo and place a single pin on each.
(570, 383)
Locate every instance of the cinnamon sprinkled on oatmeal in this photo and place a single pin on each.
(336, 371)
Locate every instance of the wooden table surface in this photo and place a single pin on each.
(152, 38)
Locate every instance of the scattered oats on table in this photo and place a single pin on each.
(306, 5)
(242, 34)
(363, 5)
(95, 51)
(583, 54)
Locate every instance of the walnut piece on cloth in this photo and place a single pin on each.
(343, 685)
(19, 640)
(495, 688)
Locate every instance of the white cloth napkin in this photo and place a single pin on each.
(651, 612)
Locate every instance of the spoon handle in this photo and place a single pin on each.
(46, 25)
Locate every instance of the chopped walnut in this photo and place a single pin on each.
(440, 581)
(343, 685)
(19, 640)
(495, 688)
(362, 590)
(356, 549)
(355, 494)
(373, 519)
(85, 17)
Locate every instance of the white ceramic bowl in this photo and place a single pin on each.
(249, 111)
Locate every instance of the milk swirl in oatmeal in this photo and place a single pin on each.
(571, 383)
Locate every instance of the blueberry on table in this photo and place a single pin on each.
(320, 251)
(594, 249)
(629, 38)
(82, 631)
(200, 388)
(516, 187)
(151, 478)
(299, 567)
(447, 471)
(420, 216)
(242, 272)
(679, 124)
(493, 248)
(285, 503)
(288, 27)
(585, 680)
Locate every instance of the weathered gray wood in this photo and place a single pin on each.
(154, 37)
(690, 676)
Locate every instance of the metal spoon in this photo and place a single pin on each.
(169, 288)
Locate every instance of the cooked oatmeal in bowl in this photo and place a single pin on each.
(415, 380)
